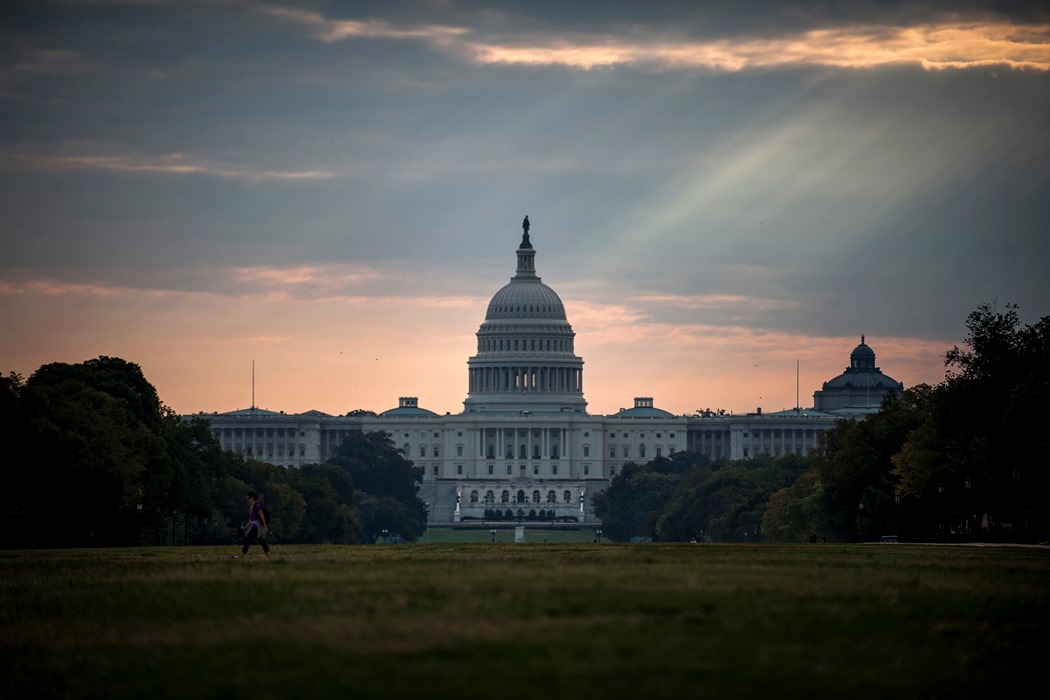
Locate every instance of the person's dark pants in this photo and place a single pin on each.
(251, 538)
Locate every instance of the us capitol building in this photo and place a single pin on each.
(524, 445)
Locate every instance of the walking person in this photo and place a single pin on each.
(257, 527)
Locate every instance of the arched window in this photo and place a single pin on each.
(567, 496)
(474, 496)
(505, 497)
(552, 497)
(521, 495)
(641, 450)
(536, 496)
(490, 497)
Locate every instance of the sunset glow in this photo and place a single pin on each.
(725, 200)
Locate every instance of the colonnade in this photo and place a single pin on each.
(525, 379)
(552, 443)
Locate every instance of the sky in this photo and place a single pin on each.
(308, 205)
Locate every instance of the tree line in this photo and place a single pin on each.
(97, 460)
(102, 462)
(965, 460)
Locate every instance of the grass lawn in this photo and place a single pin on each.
(532, 620)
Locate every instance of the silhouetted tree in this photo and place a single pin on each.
(379, 471)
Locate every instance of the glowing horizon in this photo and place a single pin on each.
(335, 191)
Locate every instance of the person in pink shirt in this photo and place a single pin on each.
(256, 529)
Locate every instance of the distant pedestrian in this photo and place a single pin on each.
(256, 529)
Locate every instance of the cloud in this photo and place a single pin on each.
(929, 46)
(932, 45)
(332, 30)
(170, 164)
(305, 284)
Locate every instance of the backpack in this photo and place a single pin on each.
(265, 515)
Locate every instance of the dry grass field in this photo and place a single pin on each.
(533, 620)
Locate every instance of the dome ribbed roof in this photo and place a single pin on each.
(862, 380)
(523, 299)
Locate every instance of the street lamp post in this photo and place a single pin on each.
(492, 532)
(386, 535)
(599, 535)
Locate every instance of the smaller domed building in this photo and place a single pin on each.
(860, 389)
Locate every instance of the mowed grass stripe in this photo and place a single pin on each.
(521, 620)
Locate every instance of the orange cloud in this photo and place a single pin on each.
(930, 46)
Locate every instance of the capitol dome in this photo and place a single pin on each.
(525, 359)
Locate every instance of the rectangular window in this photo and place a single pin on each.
(459, 450)
(459, 468)
(586, 469)
(536, 469)
(554, 469)
(508, 470)
(612, 451)
(422, 450)
(435, 470)
(490, 469)
(435, 452)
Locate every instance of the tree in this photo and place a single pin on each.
(635, 497)
(728, 499)
(796, 513)
(377, 468)
(190, 483)
(96, 429)
(329, 496)
(979, 460)
(632, 502)
(379, 513)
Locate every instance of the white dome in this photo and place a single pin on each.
(525, 358)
